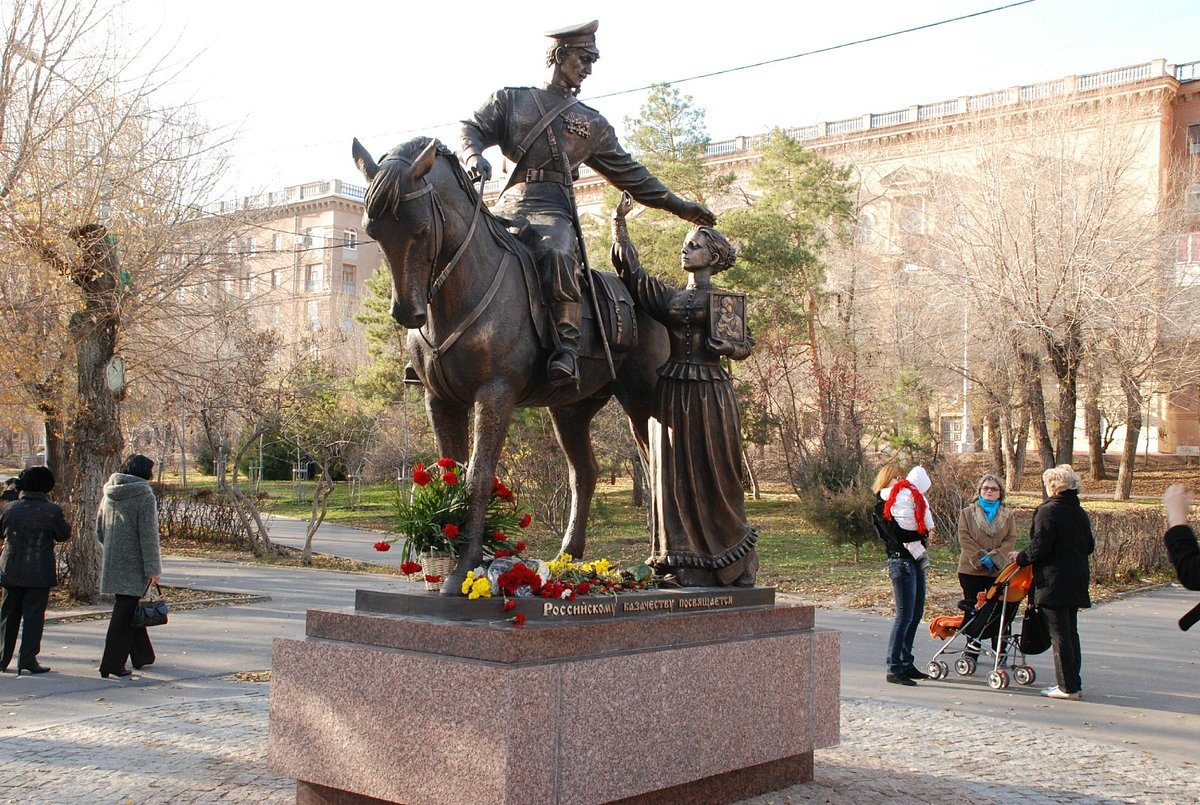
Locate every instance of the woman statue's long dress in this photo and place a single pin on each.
(699, 531)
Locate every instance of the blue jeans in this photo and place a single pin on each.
(908, 583)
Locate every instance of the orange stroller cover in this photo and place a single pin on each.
(944, 626)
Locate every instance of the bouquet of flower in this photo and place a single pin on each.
(433, 518)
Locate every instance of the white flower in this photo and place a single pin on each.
(566, 595)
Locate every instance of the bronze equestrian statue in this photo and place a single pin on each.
(474, 297)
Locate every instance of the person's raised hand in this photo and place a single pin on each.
(1177, 500)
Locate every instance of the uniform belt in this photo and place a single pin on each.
(539, 175)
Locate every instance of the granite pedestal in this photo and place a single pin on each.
(684, 696)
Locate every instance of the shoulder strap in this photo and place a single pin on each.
(541, 125)
(532, 134)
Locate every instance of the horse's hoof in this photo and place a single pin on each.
(453, 584)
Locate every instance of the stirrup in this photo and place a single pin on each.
(410, 376)
(563, 370)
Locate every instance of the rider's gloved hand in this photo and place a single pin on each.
(477, 166)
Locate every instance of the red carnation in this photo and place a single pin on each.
(519, 619)
(408, 568)
(450, 479)
(432, 579)
(506, 494)
(450, 530)
(501, 553)
(447, 463)
(383, 546)
(525, 521)
(510, 605)
(519, 547)
(499, 535)
(584, 588)
(420, 476)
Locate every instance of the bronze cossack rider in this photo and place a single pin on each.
(546, 133)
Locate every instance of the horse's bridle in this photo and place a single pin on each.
(438, 279)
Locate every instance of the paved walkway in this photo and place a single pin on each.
(187, 731)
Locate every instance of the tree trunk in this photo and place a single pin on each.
(1037, 412)
(183, 453)
(755, 492)
(95, 441)
(1094, 428)
(320, 505)
(1064, 360)
(246, 508)
(1133, 426)
(995, 438)
(638, 499)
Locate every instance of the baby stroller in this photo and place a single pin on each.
(986, 632)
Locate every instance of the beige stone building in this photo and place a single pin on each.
(302, 265)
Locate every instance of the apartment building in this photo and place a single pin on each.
(301, 265)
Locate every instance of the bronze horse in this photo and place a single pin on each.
(458, 287)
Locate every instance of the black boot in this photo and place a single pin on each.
(563, 369)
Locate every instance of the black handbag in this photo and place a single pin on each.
(1035, 633)
(150, 612)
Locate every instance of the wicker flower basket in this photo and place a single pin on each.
(438, 565)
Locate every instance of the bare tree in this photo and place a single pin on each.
(97, 176)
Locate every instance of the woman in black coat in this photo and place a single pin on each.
(1060, 543)
(29, 527)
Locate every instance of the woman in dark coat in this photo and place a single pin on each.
(1060, 543)
(698, 524)
(127, 526)
(29, 527)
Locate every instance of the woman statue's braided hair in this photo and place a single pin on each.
(724, 253)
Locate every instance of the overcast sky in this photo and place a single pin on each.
(299, 80)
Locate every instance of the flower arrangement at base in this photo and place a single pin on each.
(433, 518)
(561, 578)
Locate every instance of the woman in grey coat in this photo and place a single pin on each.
(127, 527)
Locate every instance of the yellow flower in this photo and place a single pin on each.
(601, 567)
(468, 581)
(480, 588)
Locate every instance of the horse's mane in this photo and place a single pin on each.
(383, 194)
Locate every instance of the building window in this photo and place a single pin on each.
(313, 314)
(347, 279)
(912, 222)
(277, 242)
(227, 284)
(1194, 139)
(864, 233)
(252, 245)
(348, 316)
(314, 278)
(276, 277)
(1192, 202)
(351, 239)
(314, 238)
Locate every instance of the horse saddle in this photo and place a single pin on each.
(612, 299)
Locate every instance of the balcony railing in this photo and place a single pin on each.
(1187, 72)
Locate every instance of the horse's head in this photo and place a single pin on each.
(405, 218)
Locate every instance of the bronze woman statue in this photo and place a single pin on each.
(699, 531)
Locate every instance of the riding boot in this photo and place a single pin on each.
(563, 369)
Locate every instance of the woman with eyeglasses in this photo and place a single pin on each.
(987, 531)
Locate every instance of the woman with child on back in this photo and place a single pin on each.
(904, 522)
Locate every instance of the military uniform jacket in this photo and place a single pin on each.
(581, 134)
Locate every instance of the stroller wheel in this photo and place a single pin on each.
(998, 680)
(1024, 674)
(965, 666)
(934, 669)
(944, 669)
